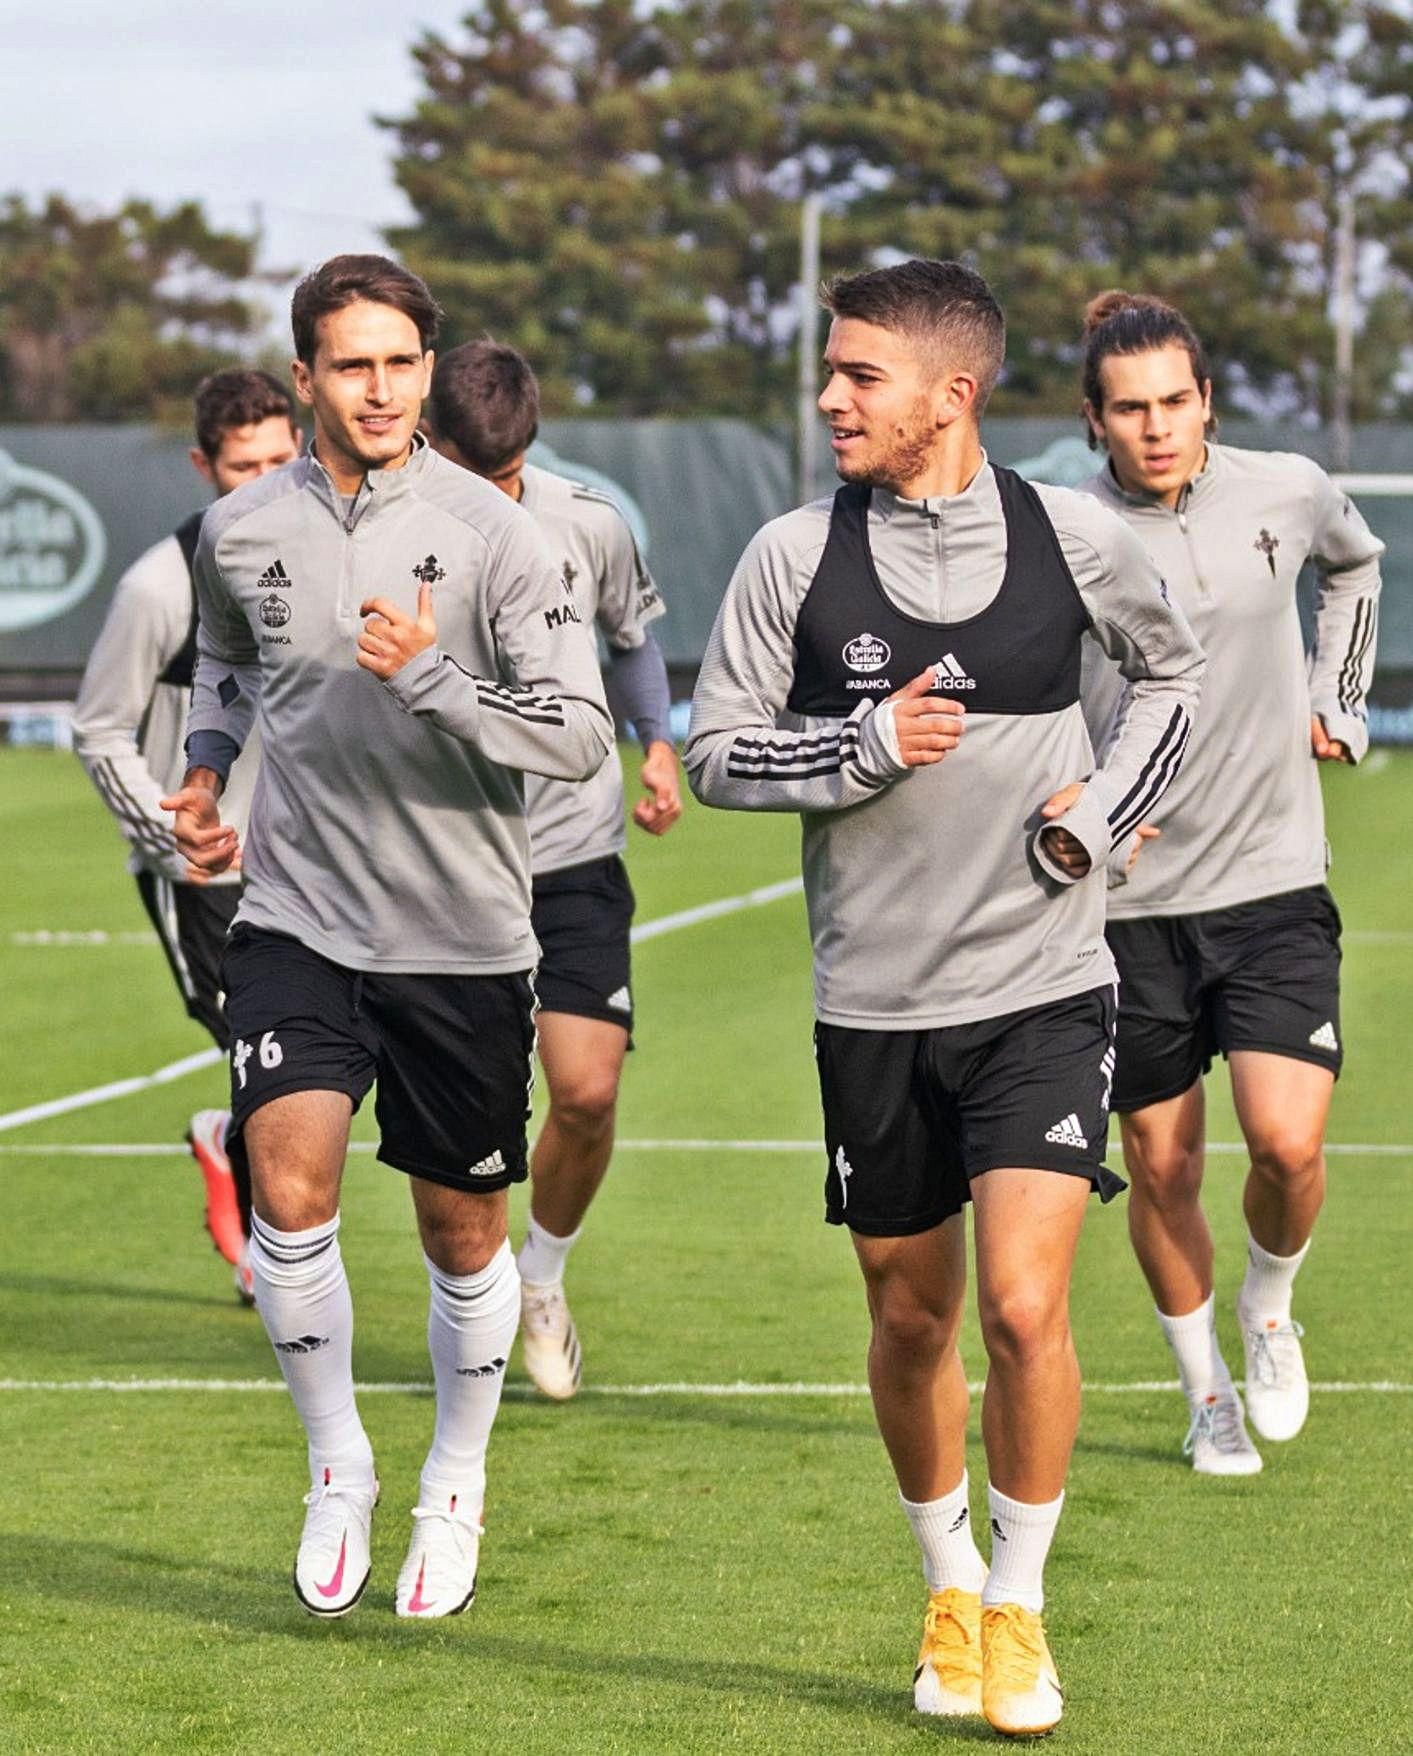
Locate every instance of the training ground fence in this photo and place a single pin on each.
(79, 503)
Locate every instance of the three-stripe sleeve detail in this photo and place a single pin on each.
(1155, 777)
(522, 704)
(151, 838)
(1351, 671)
(765, 758)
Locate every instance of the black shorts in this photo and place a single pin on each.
(192, 921)
(1264, 975)
(582, 917)
(452, 1054)
(911, 1116)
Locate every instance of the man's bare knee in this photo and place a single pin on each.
(297, 1146)
(584, 1105)
(461, 1230)
(1023, 1324)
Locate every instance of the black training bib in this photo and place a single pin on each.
(1020, 655)
(181, 667)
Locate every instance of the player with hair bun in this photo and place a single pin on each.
(1225, 934)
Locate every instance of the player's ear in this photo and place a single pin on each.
(201, 463)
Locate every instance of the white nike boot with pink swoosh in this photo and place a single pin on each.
(333, 1563)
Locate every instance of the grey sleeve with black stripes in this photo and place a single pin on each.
(1150, 640)
(1346, 555)
(146, 624)
(548, 716)
(743, 752)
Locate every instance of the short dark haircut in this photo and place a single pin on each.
(485, 399)
(1117, 322)
(945, 307)
(344, 280)
(237, 397)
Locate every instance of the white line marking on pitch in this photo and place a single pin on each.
(82, 1100)
(175, 1149)
(100, 1094)
(261, 1386)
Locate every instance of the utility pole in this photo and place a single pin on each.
(1341, 434)
(807, 431)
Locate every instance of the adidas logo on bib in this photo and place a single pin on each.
(1067, 1132)
(1325, 1038)
(950, 674)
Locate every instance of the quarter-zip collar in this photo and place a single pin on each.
(978, 498)
(377, 484)
(1204, 486)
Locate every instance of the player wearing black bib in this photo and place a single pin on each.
(901, 667)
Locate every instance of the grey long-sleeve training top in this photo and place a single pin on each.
(1245, 817)
(129, 725)
(388, 827)
(928, 903)
(611, 589)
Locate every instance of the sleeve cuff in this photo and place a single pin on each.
(406, 684)
(1086, 822)
(1347, 729)
(214, 750)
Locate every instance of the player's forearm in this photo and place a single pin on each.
(539, 731)
(1342, 660)
(640, 684)
(758, 767)
(130, 791)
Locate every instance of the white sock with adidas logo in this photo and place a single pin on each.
(471, 1324)
(942, 1527)
(1269, 1282)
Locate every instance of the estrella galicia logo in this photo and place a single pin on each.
(561, 616)
(429, 571)
(52, 546)
(1268, 545)
(274, 611)
(867, 653)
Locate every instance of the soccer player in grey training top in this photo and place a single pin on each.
(902, 668)
(483, 414)
(1225, 935)
(399, 626)
(129, 725)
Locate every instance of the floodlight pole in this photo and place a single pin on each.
(807, 431)
(1341, 438)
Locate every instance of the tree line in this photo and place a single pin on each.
(615, 188)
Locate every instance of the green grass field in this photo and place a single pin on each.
(677, 1571)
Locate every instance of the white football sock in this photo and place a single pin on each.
(302, 1296)
(1193, 1339)
(1021, 1535)
(542, 1255)
(942, 1527)
(471, 1324)
(1266, 1290)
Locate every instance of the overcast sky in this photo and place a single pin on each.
(268, 102)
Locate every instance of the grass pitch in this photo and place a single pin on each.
(681, 1571)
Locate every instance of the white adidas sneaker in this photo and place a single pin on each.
(1277, 1390)
(1217, 1440)
(438, 1578)
(333, 1563)
(552, 1356)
